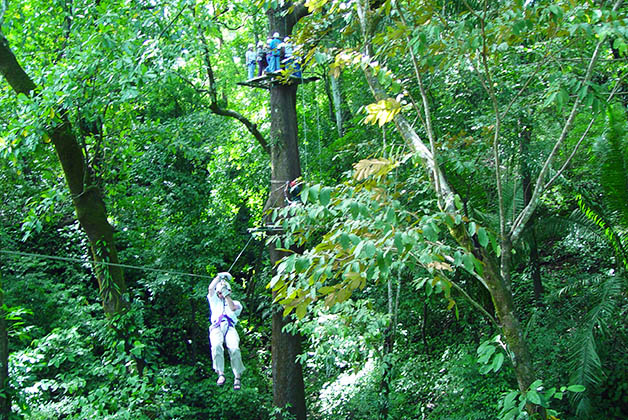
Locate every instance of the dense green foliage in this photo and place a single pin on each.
(397, 319)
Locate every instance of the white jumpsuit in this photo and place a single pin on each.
(222, 332)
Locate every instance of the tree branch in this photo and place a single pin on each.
(526, 213)
(217, 109)
(573, 153)
(300, 11)
(12, 71)
(169, 24)
(427, 120)
(584, 135)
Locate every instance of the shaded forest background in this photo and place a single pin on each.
(398, 318)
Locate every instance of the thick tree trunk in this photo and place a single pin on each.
(92, 215)
(86, 196)
(288, 385)
(501, 294)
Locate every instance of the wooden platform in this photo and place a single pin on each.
(267, 80)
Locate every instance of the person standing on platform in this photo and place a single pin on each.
(250, 61)
(290, 61)
(262, 63)
(274, 45)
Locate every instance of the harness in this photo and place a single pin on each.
(221, 318)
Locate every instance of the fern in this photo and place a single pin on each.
(615, 238)
(612, 154)
(585, 365)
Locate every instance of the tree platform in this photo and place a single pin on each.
(267, 80)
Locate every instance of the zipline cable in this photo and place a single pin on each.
(238, 257)
(135, 267)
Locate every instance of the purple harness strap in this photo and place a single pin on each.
(222, 318)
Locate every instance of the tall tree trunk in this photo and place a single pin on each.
(5, 395)
(525, 135)
(387, 350)
(288, 385)
(496, 276)
(535, 269)
(86, 195)
(341, 111)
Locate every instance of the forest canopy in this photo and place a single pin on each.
(422, 205)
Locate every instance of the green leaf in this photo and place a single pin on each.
(498, 360)
(391, 217)
(345, 241)
(533, 397)
(472, 228)
(358, 249)
(482, 237)
(370, 249)
(576, 388)
(314, 192)
(301, 264)
(301, 309)
(399, 241)
(467, 262)
(355, 209)
(458, 202)
(510, 415)
(325, 196)
(509, 401)
(485, 369)
(305, 192)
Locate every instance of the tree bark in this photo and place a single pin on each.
(341, 112)
(86, 196)
(526, 182)
(288, 385)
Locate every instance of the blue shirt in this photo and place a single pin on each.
(274, 45)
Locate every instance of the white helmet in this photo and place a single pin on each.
(276, 35)
(223, 285)
(251, 45)
(286, 39)
(224, 276)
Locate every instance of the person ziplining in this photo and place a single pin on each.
(224, 312)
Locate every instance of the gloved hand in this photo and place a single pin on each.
(225, 290)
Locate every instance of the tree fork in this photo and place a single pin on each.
(493, 276)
